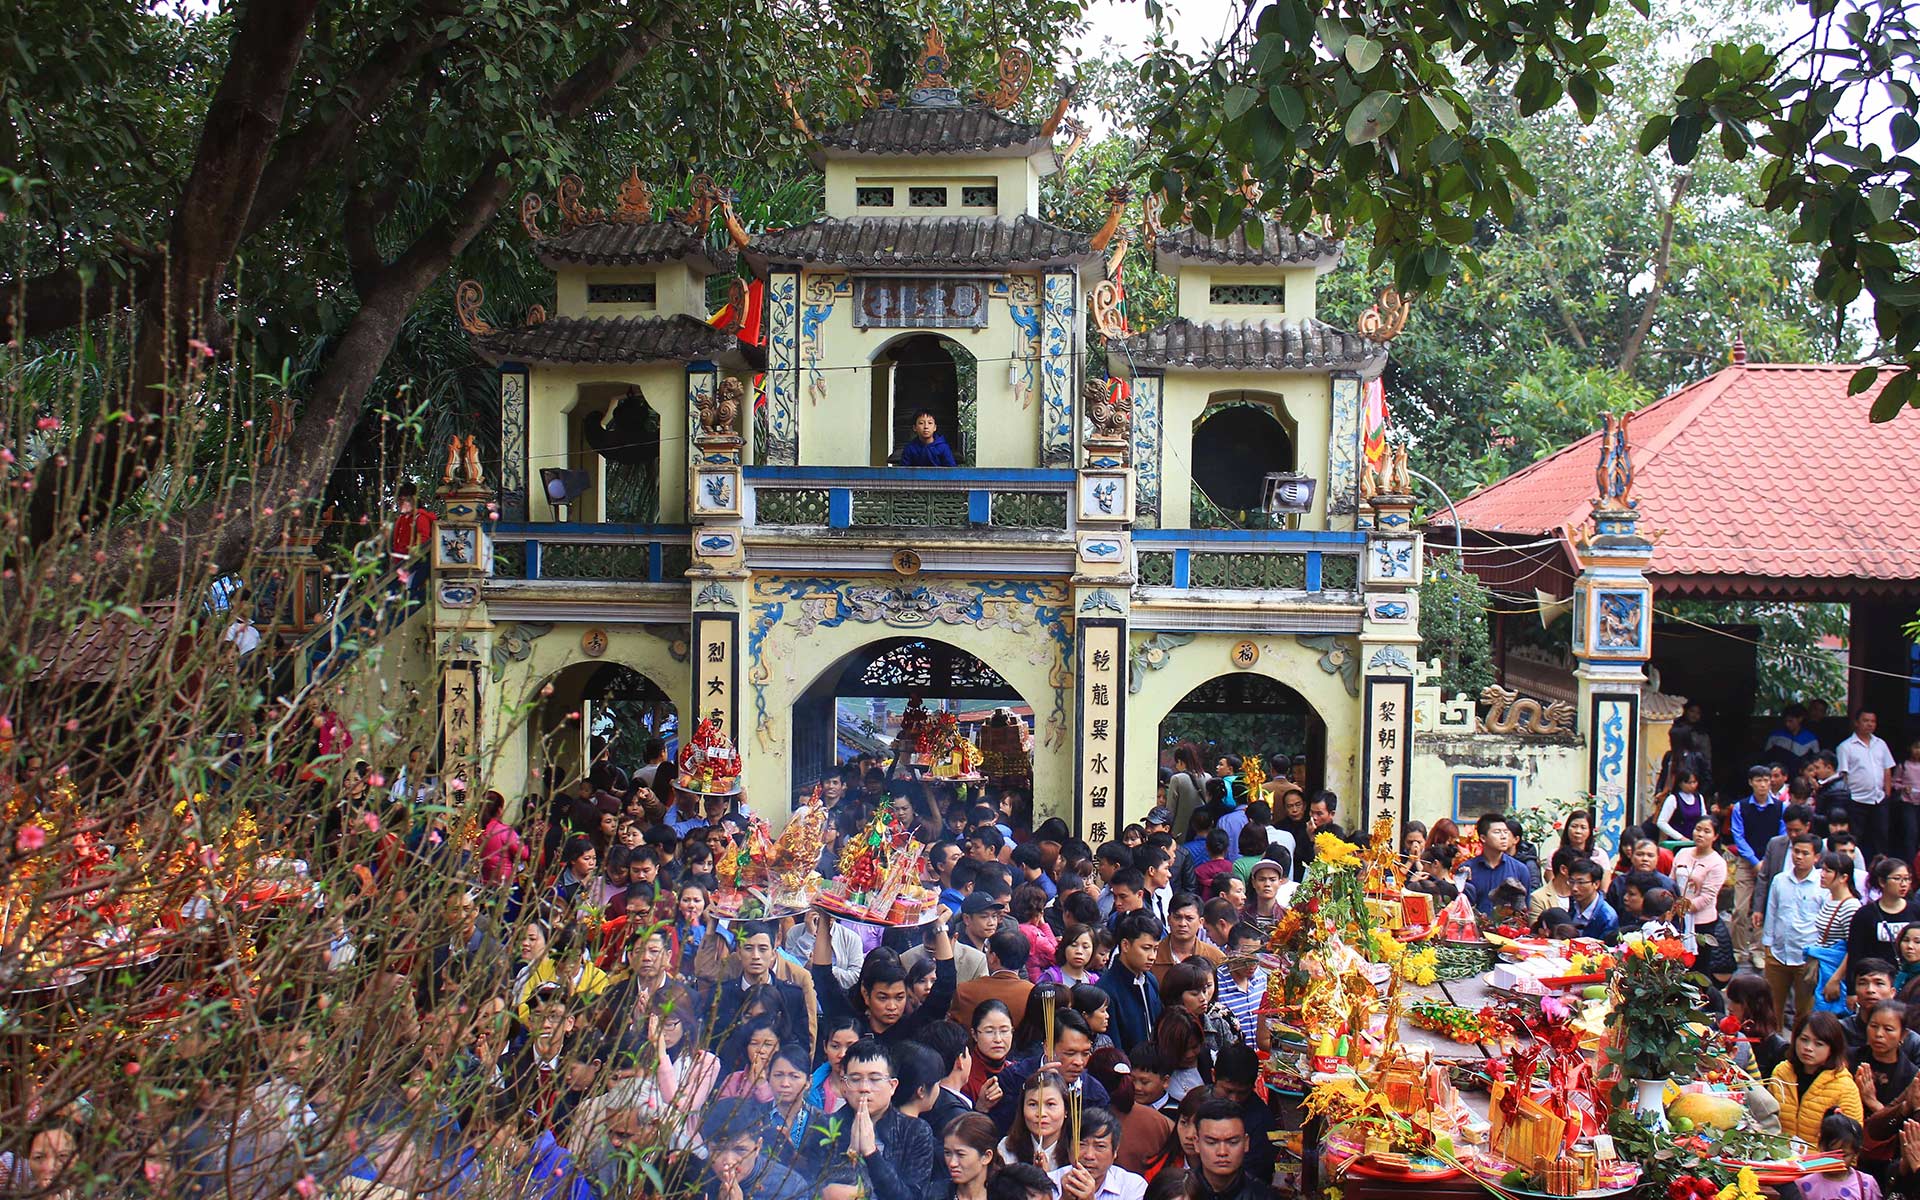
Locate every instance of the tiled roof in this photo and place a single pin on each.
(1281, 345)
(922, 242)
(1758, 479)
(1280, 247)
(679, 338)
(632, 243)
(969, 129)
(114, 648)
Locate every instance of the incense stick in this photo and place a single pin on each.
(1073, 1125)
(1047, 1000)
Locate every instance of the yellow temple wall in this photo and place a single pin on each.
(554, 411)
(836, 429)
(676, 289)
(1207, 657)
(1019, 185)
(1307, 400)
(1538, 768)
(390, 685)
(1196, 282)
(512, 705)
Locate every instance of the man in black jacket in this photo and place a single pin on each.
(948, 1040)
(1136, 998)
(754, 951)
(899, 1151)
(1224, 1172)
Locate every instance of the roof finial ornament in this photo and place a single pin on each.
(530, 207)
(785, 88)
(573, 214)
(1117, 198)
(1059, 113)
(933, 62)
(466, 305)
(1384, 321)
(1614, 475)
(1739, 349)
(1016, 72)
(859, 67)
(636, 200)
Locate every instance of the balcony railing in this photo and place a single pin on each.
(590, 551)
(1249, 559)
(914, 497)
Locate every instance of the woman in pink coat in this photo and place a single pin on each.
(501, 850)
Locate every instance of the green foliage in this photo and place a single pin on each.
(1453, 626)
(1658, 1000)
(1791, 661)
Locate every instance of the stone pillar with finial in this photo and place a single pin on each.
(1613, 635)
(1102, 607)
(718, 572)
(1390, 571)
(461, 555)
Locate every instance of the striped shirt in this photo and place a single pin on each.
(1243, 1003)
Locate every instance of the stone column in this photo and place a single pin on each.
(1059, 347)
(1102, 602)
(514, 476)
(1613, 638)
(461, 560)
(718, 572)
(1389, 642)
(783, 368)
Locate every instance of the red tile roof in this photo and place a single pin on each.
(1761, 479)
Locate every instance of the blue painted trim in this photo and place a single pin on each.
(533, 560)
(1292, 538)
(1313, 570)
(588, 529)
(980, 507)
(1004, 476)
(656, 562)
(1182, 567)
(840, 508)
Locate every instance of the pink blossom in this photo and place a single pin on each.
(45, 423)
(376, 780)
(372, 821)
(200, 347)
(29, 839)
(404, 576)
(456, 784)
(73, 725)
(307, 1187)
(154, 1170)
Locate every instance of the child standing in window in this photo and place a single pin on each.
(927, 447)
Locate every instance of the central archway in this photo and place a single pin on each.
(855, 704)
(1247, 713)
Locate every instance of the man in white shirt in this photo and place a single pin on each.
(1868, 765)
(1092, 1176)
(1790, 926)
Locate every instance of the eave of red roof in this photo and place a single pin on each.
(1759, 480)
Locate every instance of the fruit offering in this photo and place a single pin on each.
(709, 764)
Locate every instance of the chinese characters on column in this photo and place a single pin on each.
(1102, 699)
(1385, 751)
(459, 725)
(714, 649)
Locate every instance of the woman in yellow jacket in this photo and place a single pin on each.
(1814, 1078)
(564, 961)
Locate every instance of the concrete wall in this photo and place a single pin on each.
(1539, 768)
(1019, 185)
(677, 289)
(1306, 408)
(1196, 285)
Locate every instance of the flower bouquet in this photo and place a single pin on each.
(1656, 1000)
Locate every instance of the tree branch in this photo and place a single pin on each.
(1662, 268)
(44, 304)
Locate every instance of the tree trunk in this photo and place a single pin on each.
(1662, 268)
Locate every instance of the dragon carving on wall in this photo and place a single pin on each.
(1510, 712)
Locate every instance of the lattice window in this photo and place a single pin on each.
(791, 506)
(509, 561)
(873, 197)
(922, 666)
(944, 510)
(632, 292)
(1339, 573)
(986, 195)
(1156, 570)
(927, 197)
(1248, 571)
(674, 561)
(1015, 510)
(908, 666)
(566, 561)
(1267, 295)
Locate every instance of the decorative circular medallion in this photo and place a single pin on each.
(594, 642)
(906, 562)
(1245, 654)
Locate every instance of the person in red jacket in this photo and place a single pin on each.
(410, 539)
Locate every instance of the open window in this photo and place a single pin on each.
(923, 371)
(1240, 437)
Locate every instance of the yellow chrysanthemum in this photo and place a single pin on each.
(1335, 851)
